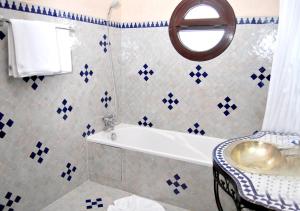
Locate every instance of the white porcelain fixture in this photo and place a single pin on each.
(181, 146)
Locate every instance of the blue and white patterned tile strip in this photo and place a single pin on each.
(252, 186)
(239, 20)
(36, 9)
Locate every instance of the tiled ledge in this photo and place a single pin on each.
(36, 9)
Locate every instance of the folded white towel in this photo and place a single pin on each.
(64, 49)
(38, 48)
(135, 203)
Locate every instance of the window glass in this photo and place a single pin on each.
(201, 11)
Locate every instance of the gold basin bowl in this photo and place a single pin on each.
(261, 158)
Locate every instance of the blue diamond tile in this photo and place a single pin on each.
(196, 130)
(170, 102)
(65, 109)
(106, 99)
(68, 174)
(145, 122)
(40, 154)
(35, 81)
(104, 43)
(5, 124)
(10, 199)
(227, 106)
(97, 203)
(198, 74)
(261, 77)
(176, 185)
(86, 74)
(89, 131)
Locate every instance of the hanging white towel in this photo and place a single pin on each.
(38, 48)
(135, 203)
(64, 49)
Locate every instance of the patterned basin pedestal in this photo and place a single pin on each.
(255, 191)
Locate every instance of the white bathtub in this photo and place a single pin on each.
(181, 146)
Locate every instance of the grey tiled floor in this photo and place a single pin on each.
(76, 199)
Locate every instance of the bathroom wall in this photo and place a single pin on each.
(30, 119)
(150, 36)
(93, 8)
(154, 10)
(227, 101)
(28, 107)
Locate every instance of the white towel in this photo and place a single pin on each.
(135, 203)
(38, 48)
(64, 49)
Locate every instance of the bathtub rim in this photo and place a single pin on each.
(149, 151)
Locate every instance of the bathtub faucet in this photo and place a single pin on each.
(109, 122)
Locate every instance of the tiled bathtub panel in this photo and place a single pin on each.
(228, 75)
(105, 164)
(147, 175)
(35, 117)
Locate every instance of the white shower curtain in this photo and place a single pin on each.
(283, 106)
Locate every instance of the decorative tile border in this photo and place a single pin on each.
(246, 184)
(239, 20)
(257, 20)
(41, 10)
(36, 9)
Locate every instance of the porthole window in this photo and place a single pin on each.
(201, 30)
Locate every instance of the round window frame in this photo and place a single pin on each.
(226, 21)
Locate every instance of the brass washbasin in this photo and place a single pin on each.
(261, 158)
